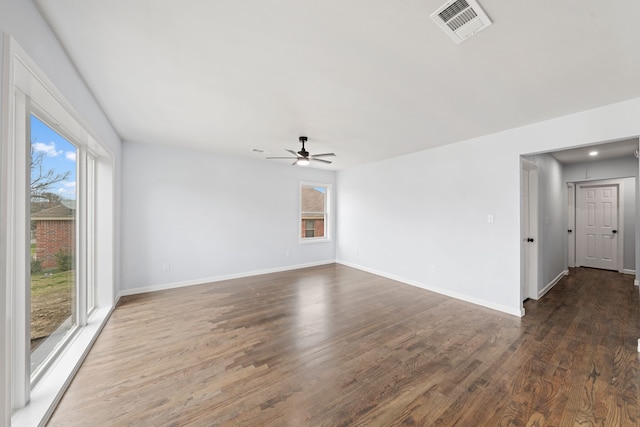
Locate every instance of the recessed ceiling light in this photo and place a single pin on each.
(593, 153)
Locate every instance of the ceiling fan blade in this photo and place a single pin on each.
(323, 155)
(289, 158)
(295, 163)
(319, 160)
(294, 153)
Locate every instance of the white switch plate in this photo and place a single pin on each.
(490, 218)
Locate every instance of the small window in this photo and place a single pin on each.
(313, 211)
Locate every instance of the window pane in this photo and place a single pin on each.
(312, 209)
(53, 240)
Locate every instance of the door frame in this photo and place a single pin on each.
(571, 225)
(529, 251)
(619, 183)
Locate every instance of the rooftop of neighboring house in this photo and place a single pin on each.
(312, 200)
(58, 212)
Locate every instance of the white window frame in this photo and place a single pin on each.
(328, 216)
(25, 85)
(83, 261)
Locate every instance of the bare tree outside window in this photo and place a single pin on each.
(42, 178)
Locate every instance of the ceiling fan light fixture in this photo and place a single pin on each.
(303, 157)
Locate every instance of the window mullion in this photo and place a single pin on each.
(90, 232)
(81, 239)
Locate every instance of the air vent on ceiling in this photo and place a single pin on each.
(461, 19)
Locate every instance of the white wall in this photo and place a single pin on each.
(210, 216)
(625, 168)
(422, 218)
(622, 167)
(22, 21)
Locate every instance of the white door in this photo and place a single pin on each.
(597, 227)
(529, 229)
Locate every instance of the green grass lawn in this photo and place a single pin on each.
(43, 284)
(52, 299)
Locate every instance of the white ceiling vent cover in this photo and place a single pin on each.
(461, 19)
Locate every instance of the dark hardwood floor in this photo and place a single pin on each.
(334, 346)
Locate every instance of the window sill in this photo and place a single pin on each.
(314, 240)
(50, 388)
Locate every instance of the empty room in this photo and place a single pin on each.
(281, 213)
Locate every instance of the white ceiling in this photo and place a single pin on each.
(612, 150)
(367, 80)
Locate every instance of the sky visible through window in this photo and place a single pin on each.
(60, 155)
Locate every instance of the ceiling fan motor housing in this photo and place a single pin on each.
(303, 152)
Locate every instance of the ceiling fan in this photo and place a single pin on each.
(303, 157)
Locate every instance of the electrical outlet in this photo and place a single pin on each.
(166, 266)
(287, 253)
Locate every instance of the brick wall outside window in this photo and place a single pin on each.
(52, 237)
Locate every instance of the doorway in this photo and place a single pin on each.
(529, 230)
(558, 175)
(599, 231)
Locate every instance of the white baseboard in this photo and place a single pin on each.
(484, 303)
(463, 297)
(552, 283)
(628, 271)
(163, 286)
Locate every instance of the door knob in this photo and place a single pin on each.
(529, 239)
(570, 231)
(614, 231)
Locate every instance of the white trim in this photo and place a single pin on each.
(20, 73)
(571, 224)
(164, 286)
(552, 283)
(478, 301)
(202, 281)
(636, 282)
(6, 229)
(629, 271)
(49, 390)
(18, 265)
(328, 213)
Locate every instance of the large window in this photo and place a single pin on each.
(56, 253)
(314, 207)
(52, 242)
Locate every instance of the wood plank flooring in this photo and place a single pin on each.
(334, 346)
